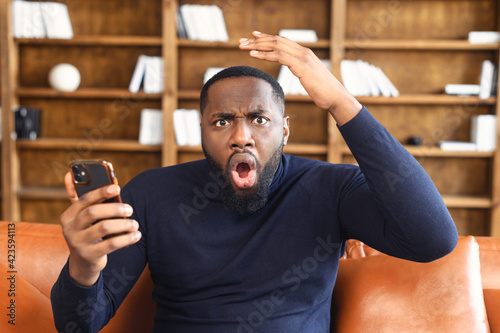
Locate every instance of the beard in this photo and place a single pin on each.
(251, 200)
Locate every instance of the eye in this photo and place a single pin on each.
(260, 120)
(221, 123)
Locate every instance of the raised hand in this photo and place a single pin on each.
(325, 90)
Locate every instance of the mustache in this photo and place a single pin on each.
(241, 151)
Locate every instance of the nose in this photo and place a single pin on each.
(241, 136)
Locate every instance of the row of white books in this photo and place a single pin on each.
(484, 37)
(201, 22)
(487, 83)
(363, 79)
(483, 135)
(187, 127)
(149, 73)
(41, 20)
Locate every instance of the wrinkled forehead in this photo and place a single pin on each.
(240, 92)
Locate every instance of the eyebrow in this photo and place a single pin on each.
(230, 115)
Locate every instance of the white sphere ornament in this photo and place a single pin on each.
(64, 77)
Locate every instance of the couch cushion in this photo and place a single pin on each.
(492, 300)
(39, 243)
(32, 312)
(489, 254)
(386, 294)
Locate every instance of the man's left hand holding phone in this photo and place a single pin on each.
(90, 242)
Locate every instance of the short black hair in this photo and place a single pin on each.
(235, 71)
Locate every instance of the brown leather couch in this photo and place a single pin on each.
(374, 292)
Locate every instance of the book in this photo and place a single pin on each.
(457, 146)
(149, 72)
(299, 35)
(38, 29)
(462, 89)
(364, 79)
(289, 82)
(56, 20)
(36, 19)
(27, 122)
(151, 127)
(202, 22)
(211, 71)
(370, 84)
(137, 76)
(486, 79)
(153, 75)
(483, 132)
(383, 79)
(187, 127)
(17, 18)
(484, 37)
(181, 27)
(349, 73)
(220, 25)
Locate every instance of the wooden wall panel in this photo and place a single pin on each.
(40, 168)
(125, 17)
(471, 221)
(420, 19)
(43, 211)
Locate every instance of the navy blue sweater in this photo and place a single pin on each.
(272, 271)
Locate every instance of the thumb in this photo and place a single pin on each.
(70, 187)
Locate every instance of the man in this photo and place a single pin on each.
(249, 239)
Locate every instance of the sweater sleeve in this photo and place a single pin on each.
(393, 206)
(89, 309)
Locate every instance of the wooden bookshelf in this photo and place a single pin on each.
(419, 53)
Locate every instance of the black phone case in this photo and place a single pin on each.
(99, 172)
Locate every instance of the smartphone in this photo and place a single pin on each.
(89, 175)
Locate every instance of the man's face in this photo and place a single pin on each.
(243, 133)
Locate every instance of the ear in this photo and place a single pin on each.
(286, 129)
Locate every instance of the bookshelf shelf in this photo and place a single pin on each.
(422, 99)
(95, 40)
(424, 151)
(455, 201)
(404, 99)
(104, 145)
(419, 44)
(84, 93)
(50, 193)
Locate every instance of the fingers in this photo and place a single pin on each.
(90, 199)
(107, 236)
(103, 238)
(123, 233)
(273, 48)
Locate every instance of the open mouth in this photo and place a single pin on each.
(243, 170)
